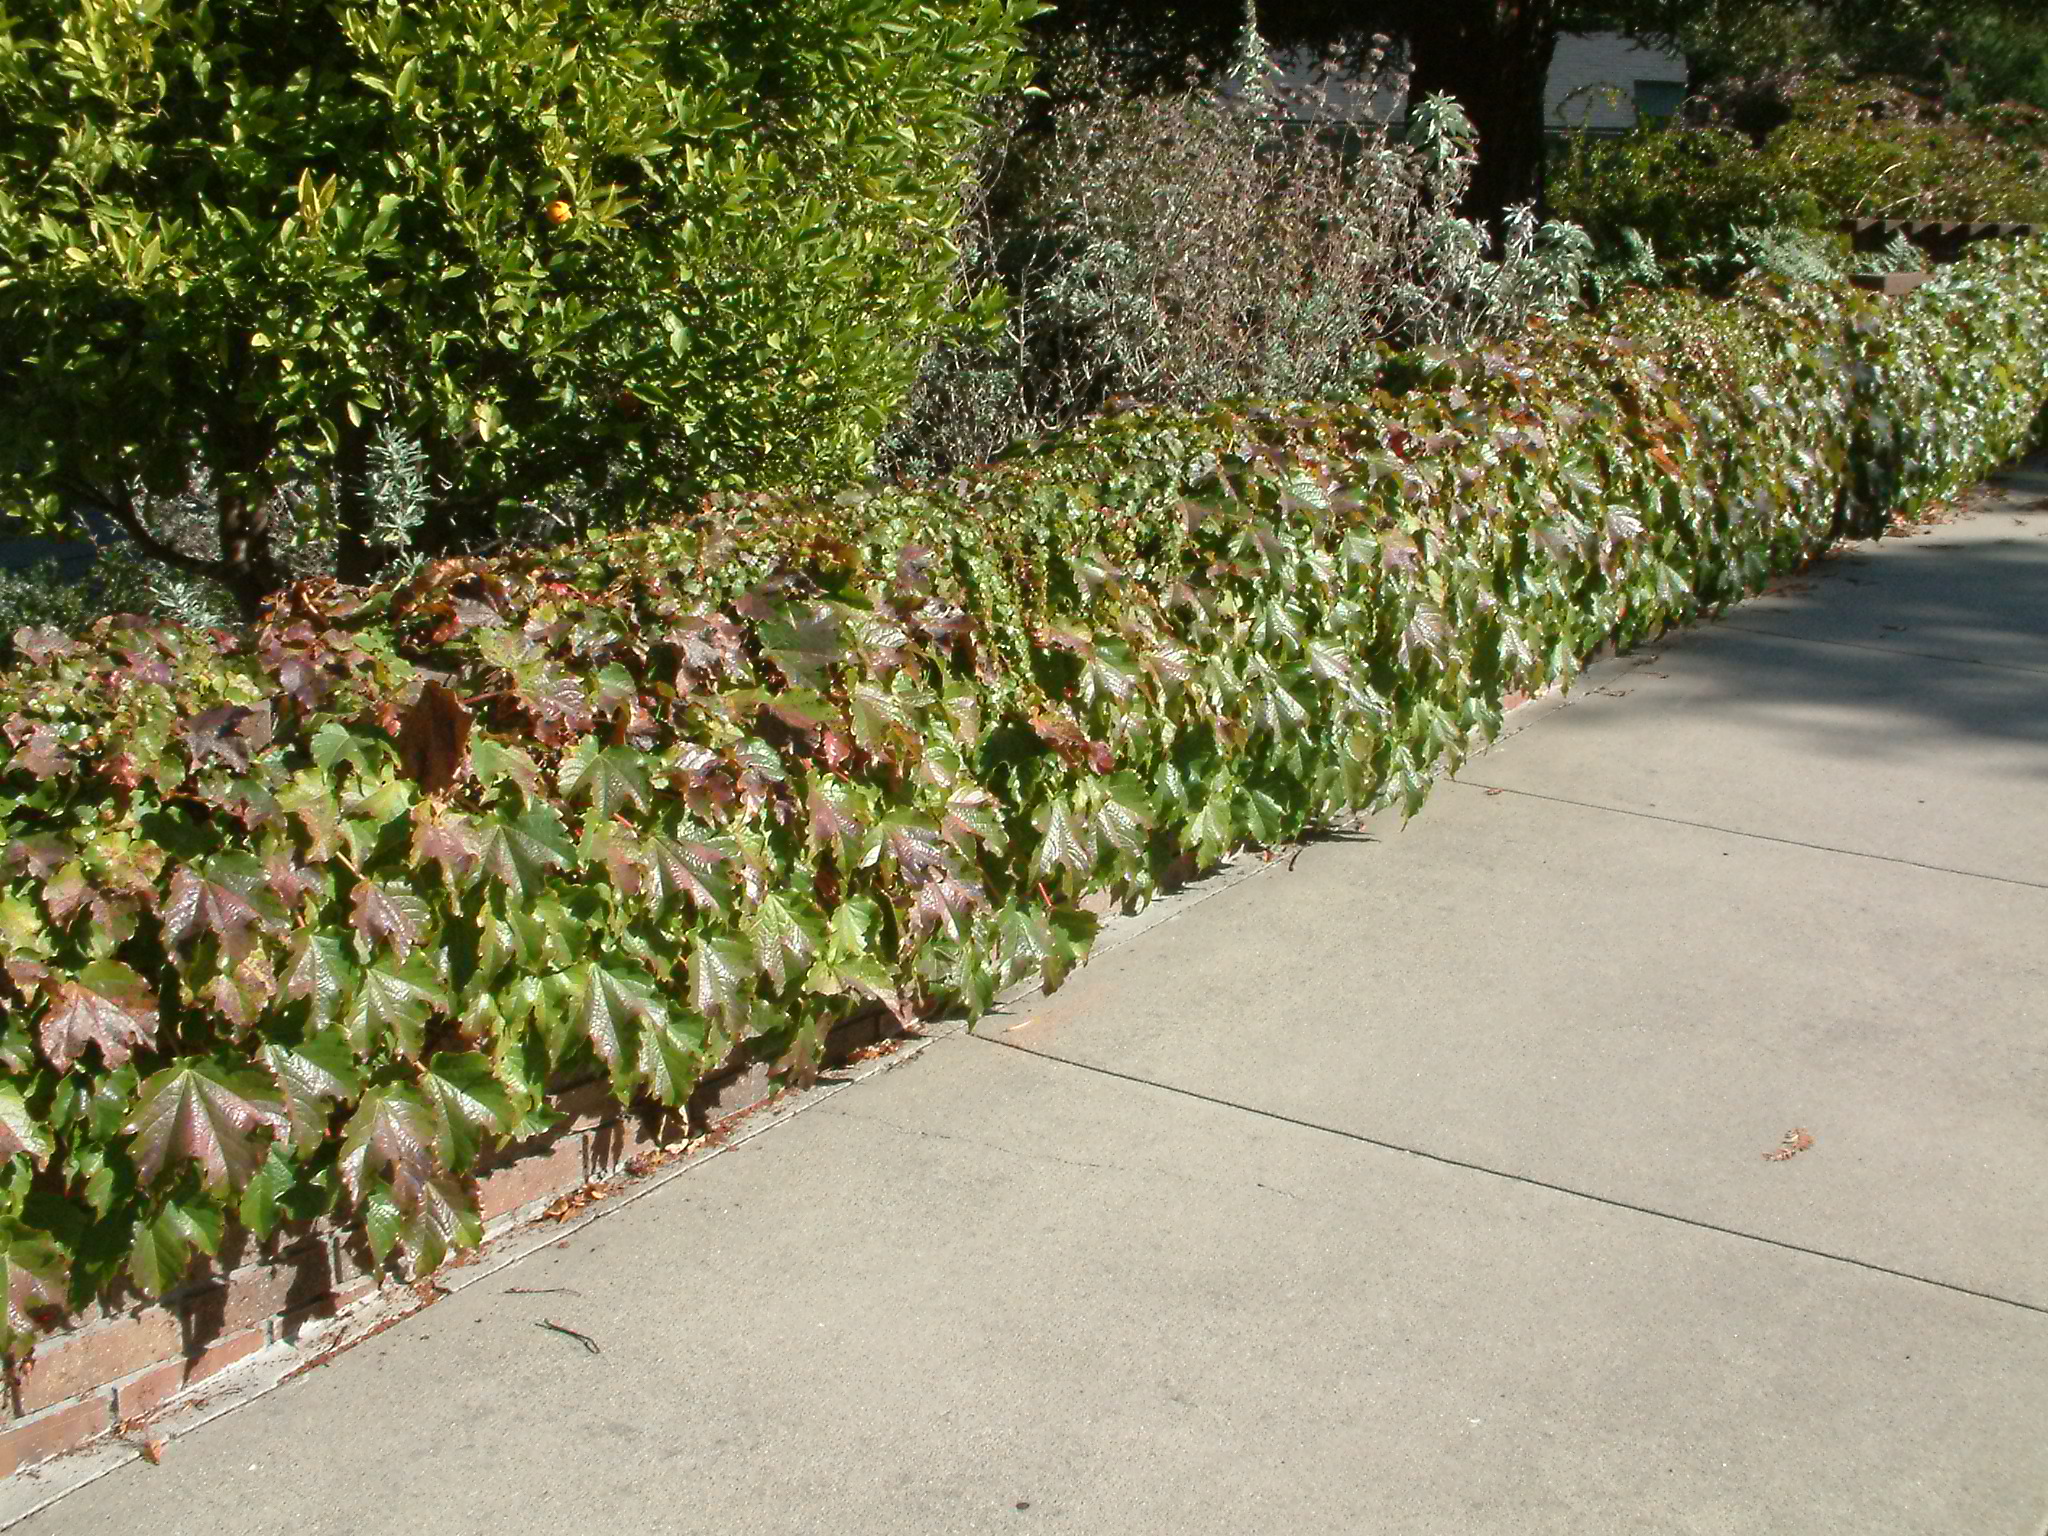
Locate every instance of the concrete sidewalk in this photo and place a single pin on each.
(1414, 1186)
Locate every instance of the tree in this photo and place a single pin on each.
(604, 247)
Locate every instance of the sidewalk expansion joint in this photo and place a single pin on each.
(1884, 650)
(1520, 1178)
(1760, 837)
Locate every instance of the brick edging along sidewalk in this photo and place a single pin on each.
(121, 1361)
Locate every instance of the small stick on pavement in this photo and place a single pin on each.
(542, 1290)
(581, 1338)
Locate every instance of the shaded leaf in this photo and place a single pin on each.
(234, 733)
(433, 738)
(805, 642)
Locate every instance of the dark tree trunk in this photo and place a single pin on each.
(248, 561)
(356, 558)
(1494, 57)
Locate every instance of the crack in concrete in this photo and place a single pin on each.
(1760, 837)
(1522, 1178)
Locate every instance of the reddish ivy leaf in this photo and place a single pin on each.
(389, 913)
(231, 908)
(832, 819)
(946, 903)
(108, 1006)
(44, 755)
(392, 1134)
(449, 841)
(234, 733)
(201, 1111)
(686, 869)
(45, 643)
(433, 738)
(37, 1286)
(288, 879)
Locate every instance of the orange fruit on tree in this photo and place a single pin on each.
(559, 212)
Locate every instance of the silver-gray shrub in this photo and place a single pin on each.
(1235, 240)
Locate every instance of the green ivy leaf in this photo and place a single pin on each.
(1065, 841)
(607, 778)
(719, 968)
(21, 1131)
(163, 1243)
(323, 973)
(394, 1003)
(606, 1005)
(312, 1077)
(784, 941)
(464, 1087)
(516, 852)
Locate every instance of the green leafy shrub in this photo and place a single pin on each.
(606, 248)
(304, 922)
(1868, 149)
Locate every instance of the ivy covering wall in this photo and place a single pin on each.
(302, 919)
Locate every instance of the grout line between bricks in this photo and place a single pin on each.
(1518, 1178)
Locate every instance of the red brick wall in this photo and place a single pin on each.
(125, 1358)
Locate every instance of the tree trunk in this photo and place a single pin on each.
(248, 563)
(356, 558)
(1494, 57)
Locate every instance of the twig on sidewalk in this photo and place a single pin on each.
(581, 1338)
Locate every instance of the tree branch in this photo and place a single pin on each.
(120, 505)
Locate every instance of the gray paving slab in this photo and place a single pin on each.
(991, 1293)
(1633, 1008)
(1972, 589)
(1849, 747)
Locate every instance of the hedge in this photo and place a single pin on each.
(601, 247)
(301, 920)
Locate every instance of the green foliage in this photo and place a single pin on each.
(602, 247)
(307, 922)
(1868, 149)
